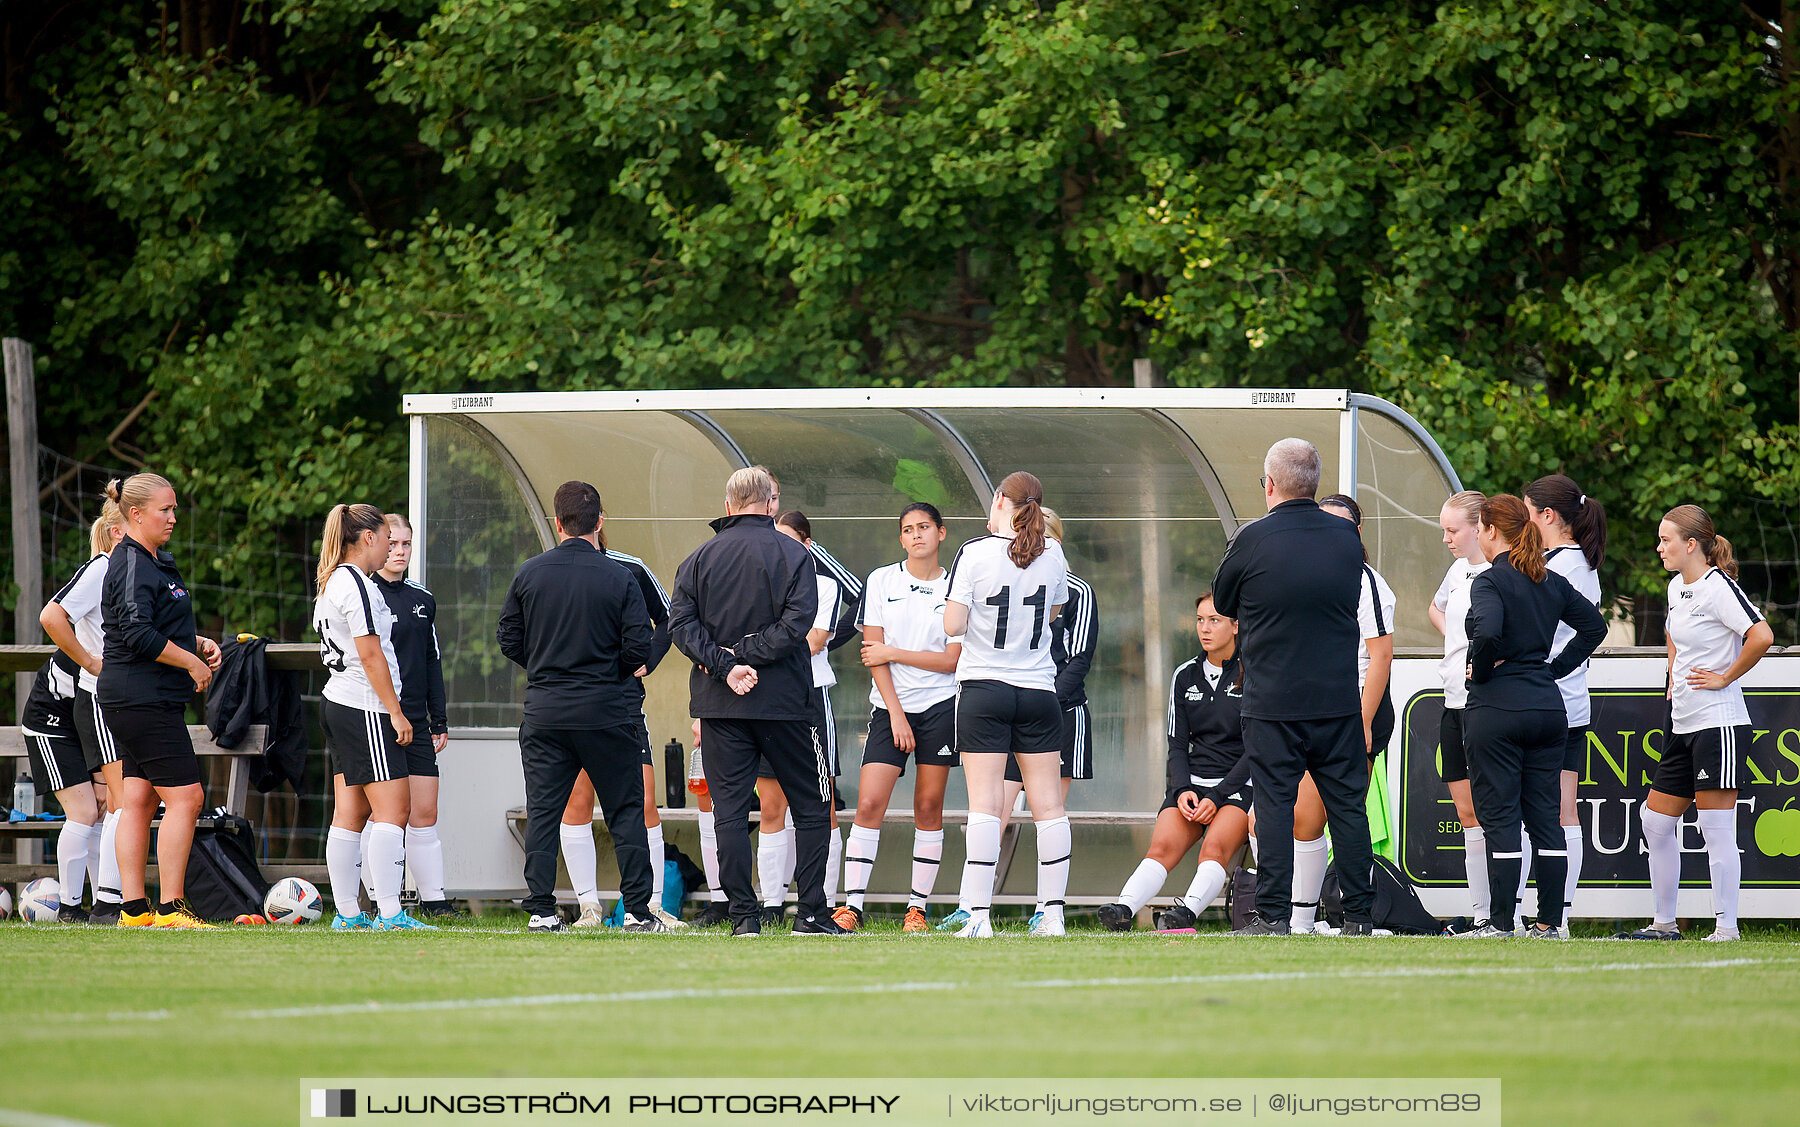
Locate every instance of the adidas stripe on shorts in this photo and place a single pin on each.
(363, 745)
(98, 748)
(1710, 759)
(56, 762)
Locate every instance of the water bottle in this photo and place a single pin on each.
(696, 774)
(672, 775)
(24, 793)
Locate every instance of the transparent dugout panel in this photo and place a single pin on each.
(1401, 488)
(1235, 442)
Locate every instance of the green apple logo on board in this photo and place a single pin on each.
(1778, 831)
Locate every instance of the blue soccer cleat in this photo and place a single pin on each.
(954, 921)
(359, 922)
(400, 921)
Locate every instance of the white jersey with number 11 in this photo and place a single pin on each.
(1010, 610)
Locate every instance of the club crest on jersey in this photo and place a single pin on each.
(1686, 593)
(1194, 693)
(419, 611)
(176, 590)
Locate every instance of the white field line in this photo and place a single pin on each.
(530, 1001)
(12, 1117)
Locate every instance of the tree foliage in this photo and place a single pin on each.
(1562, 233)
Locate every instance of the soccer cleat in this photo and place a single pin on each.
(74, 914)
(848, 918)
(441, 910)
(1723, 935)
(1466, 931)
(1352, 929)
(591, 917)
(1116, 917)
(106, 913)
(359, 922)
(772, 913)
(182, 917)
(400, 921)
(715, 913)
(1489, 931)
(916, 923)
(747, 929)
(547, 925)
(1257, 927)
(954, 920)
(650, 925)
(1543, 931)
(1042, 927)
(1654, 932)
(978, 927)
(818, 925)
(669, 922)
(139, 919)
(1176, 917)
(1459, 926)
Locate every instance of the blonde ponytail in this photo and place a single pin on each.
(344, 525)
(100, 535)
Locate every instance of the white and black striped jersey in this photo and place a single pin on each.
(1074, 636)
(822, 675)
(50, 707)
(656, 604)
(347, 609)
(1568, 561)
(1010, 609)
(1206, 731)
(910, 613)
(80, 600)
(1374, 617)
(850, 593)
(1708, 619)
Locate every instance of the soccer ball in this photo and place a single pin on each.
(40, 902)
(292, 901)
(5, 904)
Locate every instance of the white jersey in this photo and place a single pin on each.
(822, 675)
(1374, 618)
(1568, 561)
(910, 613)
(1008, 637)
(1453, 599)
(1708, 619)
(80, 600)
(347, 609)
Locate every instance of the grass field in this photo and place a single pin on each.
(136, 1027)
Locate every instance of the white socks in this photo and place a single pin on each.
(386, 865)
(1145, 881)
(72, 843)
(859, 862)
(928, 854)
(658, 855)
(789, 854)
(108, 887)
(583, 861)
(363, 862)
(834, 864)
(772, 849)
(1719, 827)
(425, 853)
(1309, 878)
(982, 846)
(1665, 862)
(1476, 866)
(1572, 841)
(709, 856)
(343, 858)
(1055, 845)
(1209, 881)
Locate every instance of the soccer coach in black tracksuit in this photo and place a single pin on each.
(742, 605)
(1292, 579)
(577, 623)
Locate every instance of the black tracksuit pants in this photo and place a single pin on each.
(1332, 751)
(613, 760)
(794, 751)
(1515, 773)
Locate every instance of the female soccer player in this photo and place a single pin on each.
(1449, 612)
(1005, 590)
(1715, 637)
(48, 724)
(152, 664)
(1209, 780)
(1073, 638)
(421, 666)
(1573, 526)
(1514, 727)
(912, 664)
(1374, 662)
(366, 729)
(72, 620)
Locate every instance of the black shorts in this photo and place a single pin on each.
(1077, 747)
(934, 737)
(1575, 749)
(824, 731)
(56, 763)
(154, 744)
(98, 748)
(1710, 759)
(363, 746)
(420, 759)
(1450, 746)
(995, 717)
(642, 728)
(1240, 798)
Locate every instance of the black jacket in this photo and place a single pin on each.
(1292, 579)
(575, 620)
(416, 651)
(753, 591)
(143, 607)
(1206, 732)
(1074, 635)
(1512, 622)
(244, 692)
